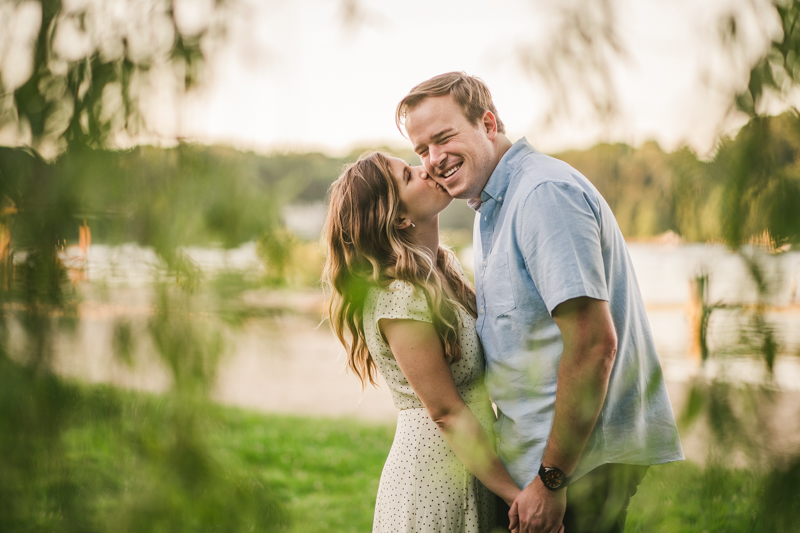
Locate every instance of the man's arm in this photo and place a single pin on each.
(590, 347)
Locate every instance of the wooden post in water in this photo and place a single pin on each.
(5, 256)
(79, 271)
(697, 313)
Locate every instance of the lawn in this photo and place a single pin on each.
(323, 472)
(328, 470)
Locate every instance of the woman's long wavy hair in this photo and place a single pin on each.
(366, 249)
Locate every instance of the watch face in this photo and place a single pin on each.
(552, 478)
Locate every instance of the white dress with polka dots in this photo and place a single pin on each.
(424, 487)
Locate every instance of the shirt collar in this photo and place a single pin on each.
(498, 182)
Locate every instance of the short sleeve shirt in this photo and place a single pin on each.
(544, 235)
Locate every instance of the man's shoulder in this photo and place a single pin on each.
(534, 169)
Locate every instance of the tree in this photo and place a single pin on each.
(89, 68)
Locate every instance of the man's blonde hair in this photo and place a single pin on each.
(469, 92)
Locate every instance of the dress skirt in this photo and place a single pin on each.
(424, 488)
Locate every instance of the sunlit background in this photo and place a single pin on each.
(165, 363)
(314, 75)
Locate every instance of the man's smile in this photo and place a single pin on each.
(452, 170)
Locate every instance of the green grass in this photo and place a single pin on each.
(325, 472)
(328, 470)
(682, 496)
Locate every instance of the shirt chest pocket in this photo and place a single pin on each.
(497, 287)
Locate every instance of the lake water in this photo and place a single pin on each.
(285, 360)
(289, 362)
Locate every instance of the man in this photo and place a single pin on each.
(582, 405)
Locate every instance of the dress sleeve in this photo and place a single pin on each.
(402, 301)
(561, 244)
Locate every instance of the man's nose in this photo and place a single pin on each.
(437, 156)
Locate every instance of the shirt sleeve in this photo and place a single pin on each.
(402, 301)
(559, 235)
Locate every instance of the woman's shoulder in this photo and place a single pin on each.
(400, 299)
(401, 286)
(394, 288)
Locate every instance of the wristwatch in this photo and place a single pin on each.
(553, 478)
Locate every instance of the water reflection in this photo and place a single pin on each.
(282, 359)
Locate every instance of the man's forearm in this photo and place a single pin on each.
(582, 386)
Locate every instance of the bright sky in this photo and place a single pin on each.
(293, 75)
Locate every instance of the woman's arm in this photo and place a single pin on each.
(419, 353)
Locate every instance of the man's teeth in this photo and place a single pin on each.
(450, 172)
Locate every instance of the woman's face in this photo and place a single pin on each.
(421, 198)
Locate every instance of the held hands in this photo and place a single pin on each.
(538, 509)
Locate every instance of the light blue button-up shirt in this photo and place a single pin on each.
(544, 235)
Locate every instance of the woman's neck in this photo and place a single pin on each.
(427, 236)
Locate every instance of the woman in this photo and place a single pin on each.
(400, 303)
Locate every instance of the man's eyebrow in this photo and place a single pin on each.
(444, 133)
(436, 138)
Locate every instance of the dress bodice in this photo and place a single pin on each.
(402, 301)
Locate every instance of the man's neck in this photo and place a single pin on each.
(502, 145)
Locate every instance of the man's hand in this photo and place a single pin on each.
(538, 509)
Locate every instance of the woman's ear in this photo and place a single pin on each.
(403, 223)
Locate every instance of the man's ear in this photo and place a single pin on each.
(402, 223)
(489, 123)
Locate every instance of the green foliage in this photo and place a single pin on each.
(75, 459)
(777, 71)
(78, 461)
(97, 459)
(162, 198)
(203, 195)
(85, 95)
(326, 472)
(681, 497)
(761, 170)
(276, 254)
(750, 188)
(637, 184)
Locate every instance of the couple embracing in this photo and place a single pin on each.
(554, 331)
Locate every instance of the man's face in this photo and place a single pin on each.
(460, 156)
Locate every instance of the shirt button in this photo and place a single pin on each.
(480, 311)
(499, 198)
(484, 263)
(486, 217)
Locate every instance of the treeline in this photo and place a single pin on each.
(651, 191)
(194, 194)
